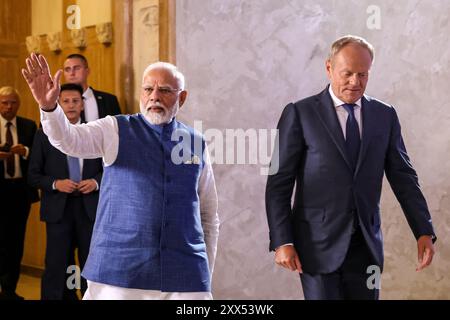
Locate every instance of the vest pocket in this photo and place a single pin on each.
(126, 237)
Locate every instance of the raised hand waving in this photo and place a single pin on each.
(44, 88)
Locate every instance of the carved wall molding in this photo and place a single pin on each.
(54, 41)
(149, 16)
(104, 33)
(79, 38)
(33, 44)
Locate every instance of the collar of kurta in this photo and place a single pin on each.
(166, 128)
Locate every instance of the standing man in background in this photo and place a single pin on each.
(16, 197)
(70, 191)
(336, 146)
(97, 104)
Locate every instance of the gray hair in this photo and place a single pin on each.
(169, 67)
(350, 39)
(6, 91)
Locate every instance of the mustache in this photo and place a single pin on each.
(156, 104)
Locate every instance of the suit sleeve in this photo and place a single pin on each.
(36, 176)
(33, 129)
(405, 185)
(280, 184)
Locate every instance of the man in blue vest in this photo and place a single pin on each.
(156, 230)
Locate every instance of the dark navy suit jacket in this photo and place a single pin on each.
(312, 154)
(26, 130)
(48, 164)
(107, 104)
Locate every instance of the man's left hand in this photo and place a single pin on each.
(19, 149)
(87, 186)
(5, 155)
(425, 249)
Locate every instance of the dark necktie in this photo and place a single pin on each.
(74, 169)
(352, 143)
(10, 162)
(352, 139)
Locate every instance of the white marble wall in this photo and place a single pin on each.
(245, 60)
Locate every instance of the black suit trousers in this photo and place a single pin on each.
(73, 230)
(14, 212)
(349, 282)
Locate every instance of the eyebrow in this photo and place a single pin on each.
(151, 85)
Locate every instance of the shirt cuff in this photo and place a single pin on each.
(51, 110)
(27, 153)
(284, 245)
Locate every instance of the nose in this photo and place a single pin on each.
(354, 79)
(155, 96)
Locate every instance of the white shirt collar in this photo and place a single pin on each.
(338, 102)
(3, 121)
(88, 93)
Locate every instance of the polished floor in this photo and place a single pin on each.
(29, 287)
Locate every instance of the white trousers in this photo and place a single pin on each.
(100, 291)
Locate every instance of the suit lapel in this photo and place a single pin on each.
(100, 104)
(327, 115)
(368, 127)
(22, 138)
(21, 131)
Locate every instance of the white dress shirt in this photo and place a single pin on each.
(13, 128)
(90, 106)
(342, 114)
(100, 138)
(81, 162)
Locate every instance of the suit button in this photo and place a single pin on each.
(168, 180)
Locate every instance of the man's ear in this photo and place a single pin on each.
(328, 68)
(182, 98)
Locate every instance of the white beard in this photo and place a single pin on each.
(159, 118)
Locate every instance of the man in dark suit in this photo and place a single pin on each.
(69, 200)
(97, 104)
(16, 139)
(336, 146)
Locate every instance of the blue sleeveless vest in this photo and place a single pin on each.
(148, 232)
